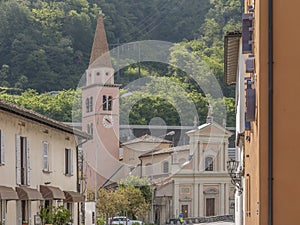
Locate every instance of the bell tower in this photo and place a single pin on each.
(100, 113)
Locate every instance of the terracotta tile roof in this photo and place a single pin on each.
(147, 139)
(166, 150)
(100, 47)
(11, 108)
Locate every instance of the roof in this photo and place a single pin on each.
(28, 114)
(210, 125)
(100, 47)
(147, 139)
(231, 56)
(166, 151)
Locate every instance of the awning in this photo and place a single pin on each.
(73, 196)
(26, 193)
(231, 56)
(8, 193)
(50, 192)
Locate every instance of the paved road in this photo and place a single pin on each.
(216, 223)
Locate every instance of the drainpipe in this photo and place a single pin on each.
(270, 112)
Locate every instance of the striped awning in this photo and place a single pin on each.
(8, 193)
(73, 196)
(26, 193)
(51, 193)
(231, 56)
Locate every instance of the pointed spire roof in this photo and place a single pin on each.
(100, 46)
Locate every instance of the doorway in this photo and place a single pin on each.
(210, 207)
(185, 211)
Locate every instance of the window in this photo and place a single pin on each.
(22, 160)
(104, 102)
(2, 159)
(109, 103)
(90, 129)
(166, 167)
(87, 105)
(91, 104)
(68, 162)
(46, 156)
(209, 164)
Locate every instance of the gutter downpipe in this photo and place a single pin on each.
(270, 112)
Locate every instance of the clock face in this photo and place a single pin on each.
(108, 121)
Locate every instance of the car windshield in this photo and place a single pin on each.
(119, 219)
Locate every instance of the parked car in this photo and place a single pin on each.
(121, 220)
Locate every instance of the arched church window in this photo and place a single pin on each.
(109, 105)
(209, 164)
(87, 105)
(91, 104)
(104, 102)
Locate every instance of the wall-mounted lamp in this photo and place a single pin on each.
(235, 173)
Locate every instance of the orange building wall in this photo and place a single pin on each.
(286, 123)
(286, 112)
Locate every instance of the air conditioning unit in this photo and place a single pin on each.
(247, 33)
(250, 64)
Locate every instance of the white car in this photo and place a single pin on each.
(122, 220)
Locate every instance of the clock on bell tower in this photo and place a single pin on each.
(100, 113)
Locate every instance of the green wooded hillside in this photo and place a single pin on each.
(45, 45)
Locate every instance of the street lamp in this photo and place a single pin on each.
(235, 173)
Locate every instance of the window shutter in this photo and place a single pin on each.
(250, 102)
(18, 159)
(27, 162)
(2, 156)
(247, 30)
(71, 161)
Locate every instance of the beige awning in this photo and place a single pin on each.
(231, 56)
(26, 193)
(8, 193)
(50, 192)
(73, 196)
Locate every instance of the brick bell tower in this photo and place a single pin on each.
(100, 114)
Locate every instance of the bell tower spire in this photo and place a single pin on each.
(100, 45)
(100, 69)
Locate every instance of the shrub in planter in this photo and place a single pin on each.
(55, 215)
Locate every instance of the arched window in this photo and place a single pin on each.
(209, 164)
(91, 104)
(166, 167)
(87, 105)
(109, 103)
(104, 102)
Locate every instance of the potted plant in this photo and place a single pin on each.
(52, 215)
(47, 215)
(24, 222)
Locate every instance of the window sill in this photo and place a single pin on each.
(47, 171)
(68, 175)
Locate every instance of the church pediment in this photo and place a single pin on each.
(210, 129)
